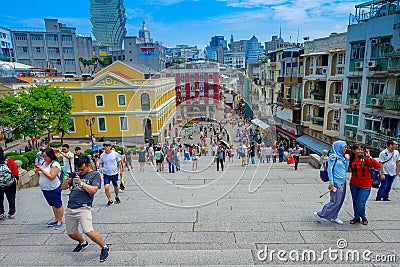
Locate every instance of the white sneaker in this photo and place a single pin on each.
(317, 216)
(337, 220)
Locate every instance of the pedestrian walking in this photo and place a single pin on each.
(78, 154)
(67, 158)
(171, 159)
(142, 158)
(361, 181)
(110, 166)
(50, 185)
(195, 157)
(128, 159)
(82, 188)
(281, 153)
(9, 178)
(220, 157)
(296, 155)
(338, 163)
(390, 160)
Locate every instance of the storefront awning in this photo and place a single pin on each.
(260, 123)
(313, 144)
(286, 133)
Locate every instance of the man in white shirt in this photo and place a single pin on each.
(111, 166)
(390, 160)
(68, 158)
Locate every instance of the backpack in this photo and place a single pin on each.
(6, 178)
(323, 171)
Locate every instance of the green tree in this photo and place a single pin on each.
(41, 108)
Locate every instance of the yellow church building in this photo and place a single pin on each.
(122, 103)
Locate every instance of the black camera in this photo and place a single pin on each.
(72, 175)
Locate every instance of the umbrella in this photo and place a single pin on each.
(224, 143)
(97, 147)
(189, 145)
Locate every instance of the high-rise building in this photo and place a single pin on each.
(108, 22)
(142, 50)
(216, 49)
(371, 88)
(57, 47)
(5, 44)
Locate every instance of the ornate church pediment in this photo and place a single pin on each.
(109, 80)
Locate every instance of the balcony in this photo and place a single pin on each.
(318, 95)
(317, 120)
(394, 63)
(391, 104)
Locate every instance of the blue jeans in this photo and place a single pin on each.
(171, 166)
(384, 188)
(359, 196)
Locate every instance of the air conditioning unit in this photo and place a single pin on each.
(371, 63)
(349, 133)
(376, 102)
(358, 65)
(375, 41)
(361, 138)
(354, 101)
(376, 144)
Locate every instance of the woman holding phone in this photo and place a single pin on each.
(51, 185)
(361, 181)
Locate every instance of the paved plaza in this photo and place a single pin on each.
(239, 217)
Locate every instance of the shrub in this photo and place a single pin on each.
(88, 152)
(55, 144)
(31, 156)
(119, 149)
(9, 154)
(25, 161)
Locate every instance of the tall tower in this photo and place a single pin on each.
(108, 22)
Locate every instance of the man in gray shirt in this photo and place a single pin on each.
(83, 187)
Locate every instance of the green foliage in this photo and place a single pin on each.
(9, 154)
(55, 144)
(119, 149)
(25, 161)
(88, 152)
(42, 108)
(31, 155)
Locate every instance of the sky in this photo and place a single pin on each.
(194, 22)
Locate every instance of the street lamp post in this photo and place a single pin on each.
(90, 124)
(32, 121)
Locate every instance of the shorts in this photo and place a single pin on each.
(53, 197)
(75, 216)
(159, 161)
(111, 178)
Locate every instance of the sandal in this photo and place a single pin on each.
(364, 221)
(354, 220)
(2, 216)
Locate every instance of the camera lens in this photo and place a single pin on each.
(72, 175)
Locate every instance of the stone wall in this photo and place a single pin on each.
(26, 178)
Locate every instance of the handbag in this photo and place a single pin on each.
(376, 177)
(122, 183)
(290, 160)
